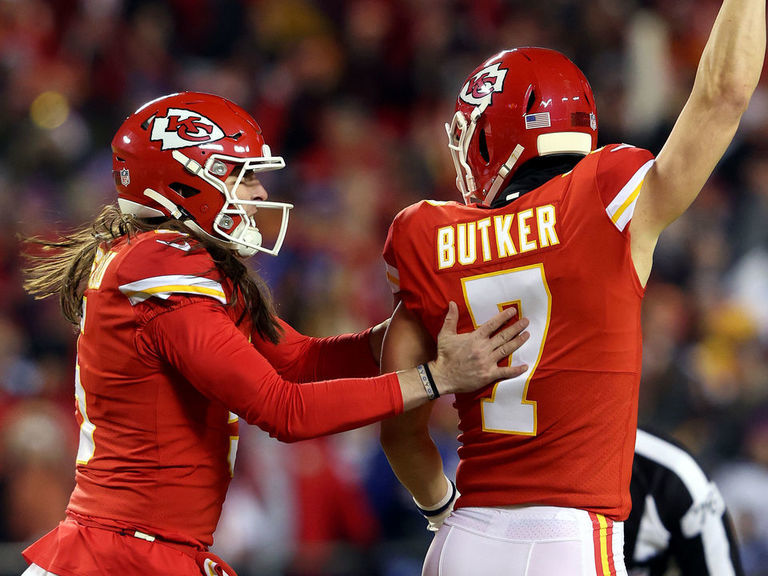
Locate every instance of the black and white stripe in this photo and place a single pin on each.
(678, 515)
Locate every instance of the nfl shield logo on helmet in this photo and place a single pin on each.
(125, 177)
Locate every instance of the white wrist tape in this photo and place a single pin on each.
(437, 513)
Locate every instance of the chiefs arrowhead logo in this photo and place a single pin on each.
(483, 84)
(180, 128)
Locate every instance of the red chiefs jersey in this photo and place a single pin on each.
(162, 374)
(562, 434)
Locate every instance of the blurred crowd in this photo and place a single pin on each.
(354, 95)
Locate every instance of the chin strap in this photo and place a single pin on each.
(172, 208)
(502, 174)
(184, 217)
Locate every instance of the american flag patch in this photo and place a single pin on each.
(540, 120)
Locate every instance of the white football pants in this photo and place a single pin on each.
(526, 541)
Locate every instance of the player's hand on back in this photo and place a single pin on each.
(467, 362)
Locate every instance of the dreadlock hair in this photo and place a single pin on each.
(62, 267)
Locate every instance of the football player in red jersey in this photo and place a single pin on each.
(177, 340)
(565, 233)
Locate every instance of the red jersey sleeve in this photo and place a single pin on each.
(164, 263)
(304, 358)
(620, 171)
(400, 241)
(200, 341)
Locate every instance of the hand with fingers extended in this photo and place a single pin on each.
(467, 362)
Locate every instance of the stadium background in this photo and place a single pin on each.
(354, 94)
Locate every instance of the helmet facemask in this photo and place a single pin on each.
(233, 223)
(460, 134)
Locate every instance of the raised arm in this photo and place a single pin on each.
(727, 75)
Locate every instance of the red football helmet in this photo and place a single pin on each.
(172, 157)
(517, 105)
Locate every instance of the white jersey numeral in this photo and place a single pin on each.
(508, 410)
(86, 446)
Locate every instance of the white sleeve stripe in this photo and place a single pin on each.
(393, 278)
(622, 206)
(164, 286)
(629, 203)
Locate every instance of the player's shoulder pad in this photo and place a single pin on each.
(613, 155)
(165, 262)
(422, 209)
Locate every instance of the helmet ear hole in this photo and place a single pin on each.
(184, 190)
(483, 145)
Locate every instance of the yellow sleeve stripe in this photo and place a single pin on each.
(622, 207)
(627, 203)
(164, 286)
(393, 278)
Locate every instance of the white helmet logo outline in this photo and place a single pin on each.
(482, 85)
(181, 128)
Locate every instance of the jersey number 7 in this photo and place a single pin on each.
(508, 410)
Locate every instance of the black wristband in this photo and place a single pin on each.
(428, 381)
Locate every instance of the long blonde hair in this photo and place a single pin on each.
(62, 267)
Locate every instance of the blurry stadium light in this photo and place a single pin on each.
(49, 110)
